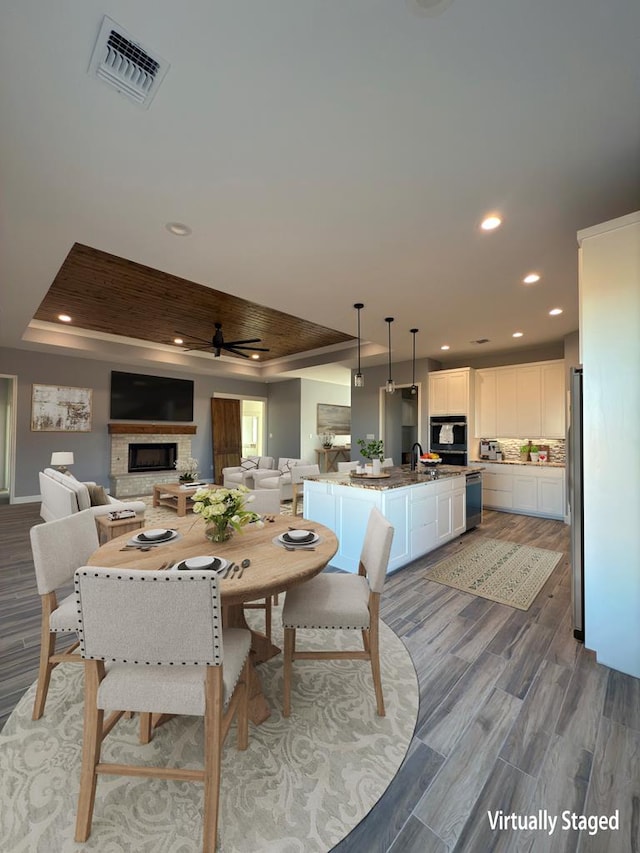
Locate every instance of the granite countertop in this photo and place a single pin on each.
(399, 477)
(518, 462)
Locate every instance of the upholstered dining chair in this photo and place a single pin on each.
(343, 467)
(336, 600)
(267, 502)
(170, 655)
(58, 547)
(297, 475)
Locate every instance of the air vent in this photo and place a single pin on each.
(480, 341)
(125, 65)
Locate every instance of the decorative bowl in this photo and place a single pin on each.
(156, 533)
(298, 535)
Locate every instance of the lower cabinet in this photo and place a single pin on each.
(526, 489)
(424, 516)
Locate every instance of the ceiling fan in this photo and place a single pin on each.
(218, 343)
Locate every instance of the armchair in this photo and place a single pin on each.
(278, 479)
(242, 474)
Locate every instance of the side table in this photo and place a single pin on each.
(108, 529)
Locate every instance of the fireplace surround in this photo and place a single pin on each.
(125, 483)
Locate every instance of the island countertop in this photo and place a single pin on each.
(399, 477)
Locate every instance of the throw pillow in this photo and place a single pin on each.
(250, 462)
(98, 496)
(285, 465)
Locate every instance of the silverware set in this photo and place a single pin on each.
(235, 570)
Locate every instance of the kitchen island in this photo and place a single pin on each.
(425, 512)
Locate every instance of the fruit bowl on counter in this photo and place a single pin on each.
(430, 459)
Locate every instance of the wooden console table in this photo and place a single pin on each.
(328, 457)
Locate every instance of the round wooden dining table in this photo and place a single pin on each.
(272, 570)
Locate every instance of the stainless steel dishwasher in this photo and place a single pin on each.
(474, 499)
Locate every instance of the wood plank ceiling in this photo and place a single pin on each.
(105, 293)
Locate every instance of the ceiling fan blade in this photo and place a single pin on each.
(253, 349)
(198, 348)
(248, 341)
(235, 352)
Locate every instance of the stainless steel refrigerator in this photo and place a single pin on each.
(575, 469)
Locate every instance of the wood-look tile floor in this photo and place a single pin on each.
(515, 715)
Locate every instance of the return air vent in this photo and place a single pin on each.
(125, 65)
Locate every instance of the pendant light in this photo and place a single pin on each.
(358, 379)
(414, 387)
(390, 387)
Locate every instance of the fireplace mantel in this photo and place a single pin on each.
(152, 429)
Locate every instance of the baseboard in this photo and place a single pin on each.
(29, 499)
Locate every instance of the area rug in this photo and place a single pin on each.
(302, 785)
(498, 570)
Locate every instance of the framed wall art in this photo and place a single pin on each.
(58, 408)
(335, 419)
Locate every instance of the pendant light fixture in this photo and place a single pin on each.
(390, 387)
(414, 387)
(358, 379)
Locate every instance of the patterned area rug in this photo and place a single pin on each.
(302, 785)
(498, 570)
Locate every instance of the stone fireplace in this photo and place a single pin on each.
(153, 448)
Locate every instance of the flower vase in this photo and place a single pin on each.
(186, 478)
(218, 532)
(376, 466)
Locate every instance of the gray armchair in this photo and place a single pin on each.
(242, 474)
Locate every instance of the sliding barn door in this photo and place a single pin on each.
(226, 435)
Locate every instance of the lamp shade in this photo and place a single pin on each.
(62, 457)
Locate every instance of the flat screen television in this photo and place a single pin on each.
(135, 396)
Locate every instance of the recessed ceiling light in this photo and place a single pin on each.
(490, 222)
(445, 346)
(255, 356)
(555, 311)
(178, 228)
(532, 278)
(517, 334)
(178, 341)
(64, 318)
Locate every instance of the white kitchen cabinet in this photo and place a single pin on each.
(449, 392)
(536, 490)
(524, 401)
(506, 397)
(528, 401)
(552, 399)
(486, 410)
(424, 516)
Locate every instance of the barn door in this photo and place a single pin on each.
(226, 435)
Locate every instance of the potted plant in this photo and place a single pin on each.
(373, 451)
(533, 452)
(524, 452)
(187, 469)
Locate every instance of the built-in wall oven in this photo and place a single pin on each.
(448, 438)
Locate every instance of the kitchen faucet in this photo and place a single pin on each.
(415, 456)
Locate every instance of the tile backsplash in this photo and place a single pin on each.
(511, 448)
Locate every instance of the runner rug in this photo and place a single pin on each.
(302, 785)
(498, 570)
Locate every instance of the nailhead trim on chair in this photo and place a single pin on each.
(141, 577)
(331, 627)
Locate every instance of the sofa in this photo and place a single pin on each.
(242, 474)
(279, 478)
(63, 495)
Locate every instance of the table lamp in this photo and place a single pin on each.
(60, 459)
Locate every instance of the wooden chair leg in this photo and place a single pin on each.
(289, 648)
(374, 652)
(243, 709)
(146, 727)
(267, 616)
(47, 648)
(276, 599)
(91, 743)
(212, 757)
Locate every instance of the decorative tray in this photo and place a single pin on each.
(380, 476)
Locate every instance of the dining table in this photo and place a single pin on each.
(272, 569)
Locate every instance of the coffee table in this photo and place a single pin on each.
(175, 496)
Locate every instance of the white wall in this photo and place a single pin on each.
(610, 354)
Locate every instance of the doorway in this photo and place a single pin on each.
(8, 394)
(400, 422)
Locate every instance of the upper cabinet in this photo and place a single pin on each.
(521, 401)
(449, 392)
